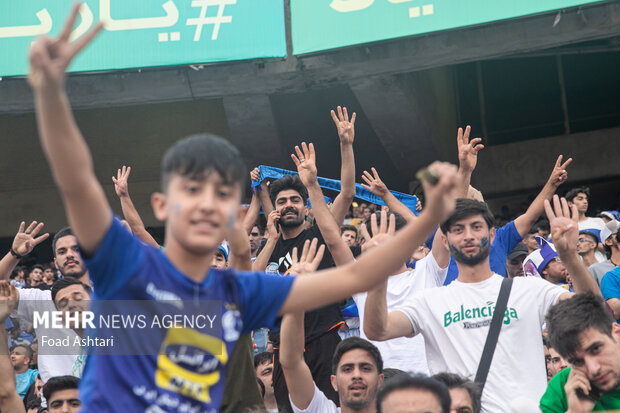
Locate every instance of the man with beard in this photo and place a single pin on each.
(454, 319)
(583, 332)
(289, 196)
(54, 361)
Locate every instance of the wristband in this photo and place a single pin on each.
(16, 255)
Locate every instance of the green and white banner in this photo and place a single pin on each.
(143, 33)
(328, 24)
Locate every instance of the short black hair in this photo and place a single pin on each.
(454, 381)
(67, 282)
(569, 318)
(262, 358)
(59, 383)
(288, 182)
(571, 194)
(348, 228)
(36, 266)
(390, 372)
(33, 403)
(196, 156)
(418, 382)
(26, 346)
(260, 228)
(400, 221)
(541, 224)
(466, 208)
(65, 232)
(353, 343)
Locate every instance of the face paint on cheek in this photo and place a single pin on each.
(453, 250)
(176, 208)
(231, 220)
(484, 242)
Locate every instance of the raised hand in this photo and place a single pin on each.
(310, 259)
(25, 240)
(374, 184)
(8, 300)
(441, 197)
(564, 225)
(346, 129)
(380, 233)
(120, 182)
(559, 175)
(272, 226)
(50, 58)
(468, 150)
(305, 161)
(255, 175)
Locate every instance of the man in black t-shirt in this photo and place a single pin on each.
(289, 195)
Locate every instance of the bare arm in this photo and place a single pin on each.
(378, 323)
(524, 222)
(265, 200)
(346, 133)
(614, 303)
(331, 285)
(374, 184)
(24, 242)
(564, 232)
(70, 160)
(9, 399)
(468, 158)
(121, 186)
(440, 251)
(260, 263)
(239, 243)
(250, 217)
(330, 230)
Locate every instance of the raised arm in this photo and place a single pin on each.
(261, 261)
(121, 186)
(9, 399)
(374, 184)
(558, 176)
(239, 244)
(296, 372)
(70, 160)
(346, 133)
(305, 161)
(468, 158)
(24, 242)
(372, 267)
(250, 217)
(564, 233)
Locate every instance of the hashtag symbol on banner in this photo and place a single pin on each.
(216, 20)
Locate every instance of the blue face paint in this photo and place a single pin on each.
(453, 250)
(483, 242)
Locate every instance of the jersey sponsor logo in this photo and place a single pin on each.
(272, 268)
(189, 363)
(485, 311)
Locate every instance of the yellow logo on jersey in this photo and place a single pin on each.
(189, 363)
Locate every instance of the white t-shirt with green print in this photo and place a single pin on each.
(455, 319)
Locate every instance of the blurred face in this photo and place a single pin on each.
(556, 362)
(514, 267)
(585, 244)
(264, 373)
(461, 401)
(19, 358)
(219, 261)
(255, 239)
(581, 201)
(470, 240)
(547, 362)
(598, 356)
(67, 257)
(555, 272)
(38, 386)
(366, 213)
(36, 274)
(48, 276)
(291, 207)
(357, 379)
(411, 401)
(349, 238)
(19, 276)
(73, 299)
(199, 213)
(530, 242)
(64, 401)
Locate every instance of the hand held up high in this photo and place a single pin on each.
(121, 185)
(564, 225)
(50, 58)
(8, 300)
(305, 161)
(441, 197)
(26, 239)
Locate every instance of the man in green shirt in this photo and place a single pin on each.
(584, 332)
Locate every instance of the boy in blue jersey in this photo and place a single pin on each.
(201, 191)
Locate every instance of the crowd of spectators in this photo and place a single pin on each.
(343, 306)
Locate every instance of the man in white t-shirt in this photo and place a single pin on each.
(454, 320)
(54, 360)
(579, 197)
(408, 353)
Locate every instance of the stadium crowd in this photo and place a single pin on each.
(350, 305)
